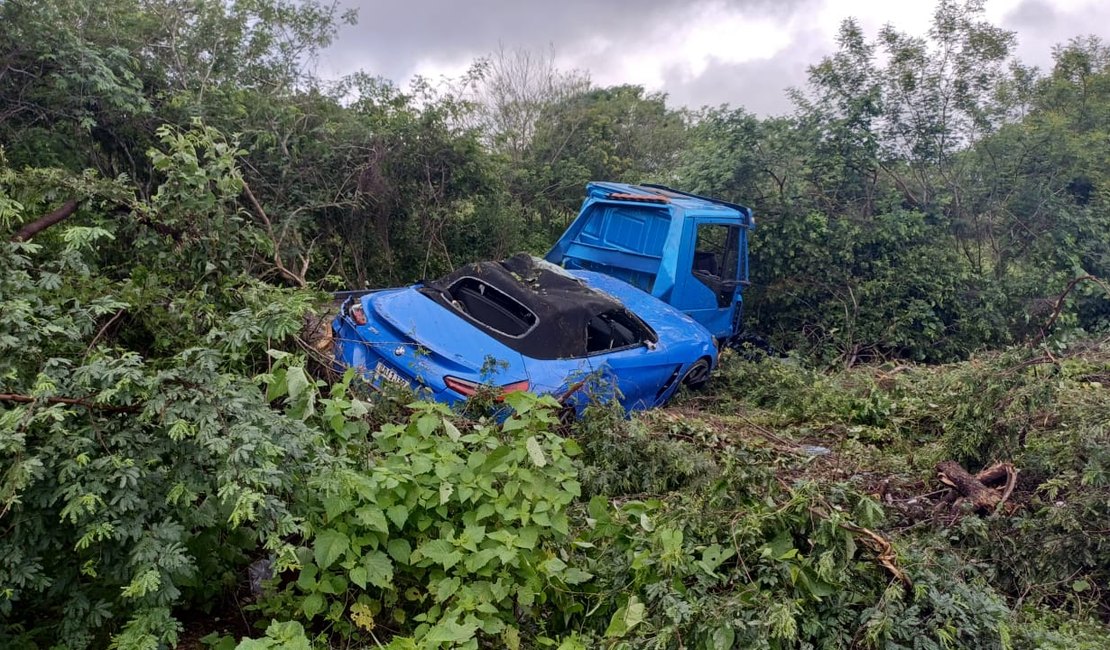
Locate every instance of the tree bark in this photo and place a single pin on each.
(982, 497)
(998, 474)
(42, 223)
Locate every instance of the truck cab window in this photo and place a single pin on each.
(717, 260)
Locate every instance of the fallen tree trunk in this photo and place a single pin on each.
(983, 498)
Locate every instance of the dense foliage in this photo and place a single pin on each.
(177, 193)
(929, 196)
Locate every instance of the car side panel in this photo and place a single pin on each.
(640, 374)
(649, 377)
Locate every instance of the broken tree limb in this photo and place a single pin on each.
(881, 546)
(996, 474)
(984, 499)
(71, 401)
(1011, 482)
(297, 278)
(1060, 305)
(42, 223)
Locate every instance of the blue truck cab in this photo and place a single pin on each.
(686, 250)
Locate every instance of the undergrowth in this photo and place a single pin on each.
(1044, 553)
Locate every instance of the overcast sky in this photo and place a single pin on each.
(700, 52)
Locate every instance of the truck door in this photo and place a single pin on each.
(711, 274)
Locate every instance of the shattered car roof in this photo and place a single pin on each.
(563, 305)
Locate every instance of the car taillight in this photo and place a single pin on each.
(358, 314)
(469, 388)
(515, 387)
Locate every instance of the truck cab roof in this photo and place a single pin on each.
(690, 251)
(687, 204)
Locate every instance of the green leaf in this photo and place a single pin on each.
(527, 537)
(576, 576)
(554, 566)
(379, 569)
(426, 424)
(626, 618)
(476, 561)
(723, 638)
(446, 588)
(297, 382)
(398, 515)
(535, 451)
(450, 632)
(335, 506)
(441, 552)
(399, 550)
(521, 401)
(313, 604)
(373, 518)
(452, 431)
(307, 580)
(358, 576)
(329, 546)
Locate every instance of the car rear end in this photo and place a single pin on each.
(399, 337)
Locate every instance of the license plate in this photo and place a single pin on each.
(385, 373)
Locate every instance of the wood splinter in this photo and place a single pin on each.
(984, 499)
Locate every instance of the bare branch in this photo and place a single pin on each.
(73, 401)
(295, 278)
(42, 223)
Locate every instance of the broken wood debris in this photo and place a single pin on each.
(986, 490)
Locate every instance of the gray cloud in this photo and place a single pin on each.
(1031, 15)
(394, 39)
(1040, 26)
(759, 86)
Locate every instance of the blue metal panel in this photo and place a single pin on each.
(644, 235)
(410, 338)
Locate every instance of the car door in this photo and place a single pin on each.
(641, 374)
(631, 365)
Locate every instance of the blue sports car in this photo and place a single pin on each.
(525, 324)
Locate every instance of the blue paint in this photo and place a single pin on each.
(647, 236)
(416, 339)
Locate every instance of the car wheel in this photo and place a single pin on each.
(698, 374)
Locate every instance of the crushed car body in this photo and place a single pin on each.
(524, 324)
(633, 301)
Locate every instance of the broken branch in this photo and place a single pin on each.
(42, 223)
(984, 499)
(296, 278)
(996, 474)
(1060, 304)
(72, 401)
